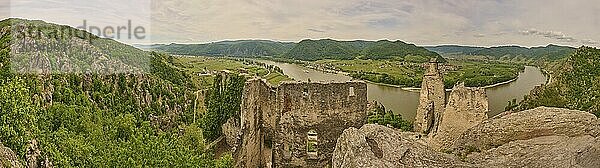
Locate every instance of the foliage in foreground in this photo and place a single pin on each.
(223, 101)
(101, 124)
(103, 120)
(382, 117)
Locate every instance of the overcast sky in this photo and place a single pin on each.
(423, 22)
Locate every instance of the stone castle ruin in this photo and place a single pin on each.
(443, 118)
(295, 124)
(456, 132)
(432, 100)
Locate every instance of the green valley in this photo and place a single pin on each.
(202, 69)
(408, 74)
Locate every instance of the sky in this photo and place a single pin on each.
(423, 22)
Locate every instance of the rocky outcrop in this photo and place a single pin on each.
(529, 124)
(8, 158)
(34, 157)
(380, 146)
(231, 131)
(432, 100)
(545, 151)
(541, 137)
(466, 108)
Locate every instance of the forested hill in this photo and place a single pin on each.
(344, 50)
(575, 84)
(67, 109)
(50, 48)
(453, 49)
(321, 49)
(307, 49)
(241, 48)
(546, 53)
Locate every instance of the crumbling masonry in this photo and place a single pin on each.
(295, 124)
(443, 122)
(431, 101)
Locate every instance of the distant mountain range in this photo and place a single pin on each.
(306, 49)
(245, 48)
(550, 52)
(383, 49)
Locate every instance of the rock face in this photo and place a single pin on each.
(538, 122)
(380, 146)
(231, 131)
(432, 100)
(544, 151)
(541, 137)
(295, 124)
(466, 108)
(34, 157)
(8, 158)
(257, 107)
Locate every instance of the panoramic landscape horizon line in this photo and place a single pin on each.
(420, 45)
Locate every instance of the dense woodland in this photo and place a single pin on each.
(107, 120)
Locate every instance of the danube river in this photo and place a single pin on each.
(405, 102)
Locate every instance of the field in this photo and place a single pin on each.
(201, 68)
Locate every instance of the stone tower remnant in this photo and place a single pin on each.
(466, 108)
(432, 100)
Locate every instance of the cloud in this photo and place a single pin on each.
(315, 30)
(424, 22)
(557, 36)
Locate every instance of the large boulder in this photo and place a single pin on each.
(8, 158)
(545, 151)
(541, 121)
(380, 146)
(541, 137)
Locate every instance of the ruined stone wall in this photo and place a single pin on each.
(325, 108)
(432, 100)
(275, 121)
(256, 111)
(466, 108)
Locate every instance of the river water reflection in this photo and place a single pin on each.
(405, 102)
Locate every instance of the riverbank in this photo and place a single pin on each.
(410, 89)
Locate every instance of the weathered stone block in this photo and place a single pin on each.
(466, 108)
